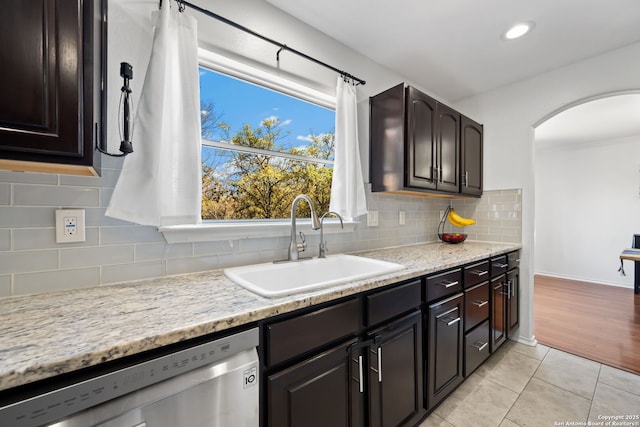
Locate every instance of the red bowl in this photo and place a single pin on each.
(453, 237)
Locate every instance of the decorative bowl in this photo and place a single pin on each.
(453, 237)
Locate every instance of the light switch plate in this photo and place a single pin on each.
(70, 226)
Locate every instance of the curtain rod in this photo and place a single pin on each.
(282, 46)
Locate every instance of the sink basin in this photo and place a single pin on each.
(278, 279)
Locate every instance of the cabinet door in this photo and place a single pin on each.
(395, 373)
(445, 337)
(422, 167)
(471, 134)
(448, 149)
(513, 300)
(318, 392)
(46, 81)
(498, 312)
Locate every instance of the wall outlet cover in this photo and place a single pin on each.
(372, 219)
(70, 226)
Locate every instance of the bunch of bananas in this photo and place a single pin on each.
(459, 221)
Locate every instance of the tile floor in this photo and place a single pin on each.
(541, 387)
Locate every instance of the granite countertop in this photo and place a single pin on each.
(45, 335)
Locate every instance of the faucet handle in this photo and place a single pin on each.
(303, 242)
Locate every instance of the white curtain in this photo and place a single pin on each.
(347, 188)
(160, 182)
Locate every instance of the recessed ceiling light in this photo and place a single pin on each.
(519, 30)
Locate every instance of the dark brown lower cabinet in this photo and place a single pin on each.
(498, 312)
(444, 349)
(395, 373)
(318, 392)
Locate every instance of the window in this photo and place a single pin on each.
(262, 147)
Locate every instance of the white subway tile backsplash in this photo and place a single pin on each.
(134, 271)
(28, 177)
(18, 217)
(96, 256)
(131, 234)
(118, 251)
(5, 194)
(28, 261)
(35, 195)
(54, 280)
(159, 251)
(193, 264)
(5, 240)
(5, 286)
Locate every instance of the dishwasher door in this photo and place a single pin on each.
(223, 394)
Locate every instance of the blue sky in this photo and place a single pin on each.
(240, 102)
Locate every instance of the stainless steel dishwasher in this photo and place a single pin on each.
(212, 384)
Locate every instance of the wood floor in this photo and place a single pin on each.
(598, 322)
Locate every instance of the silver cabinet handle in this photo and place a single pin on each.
(448, 284)
(498, 286)
(466, 178)
(360, 374)
(479, 272)
(379, 364)
(479, 303)
(501, 265)
(480, 346)
(450, 322)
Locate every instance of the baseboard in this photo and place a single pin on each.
(577, 279)
(532, 342)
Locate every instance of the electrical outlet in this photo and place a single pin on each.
(441, 215)
(401, 218)
(372, 219)
(70, 225)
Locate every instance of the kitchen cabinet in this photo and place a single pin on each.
(50, 82)
(471, 160)
(476, 315)
(513, 293)
(416, 146)
(323, 367)
(505, 298)
(445, 353)
(444, 320)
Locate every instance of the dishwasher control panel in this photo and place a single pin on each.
(60, 403)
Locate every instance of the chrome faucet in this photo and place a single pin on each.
(294, 247)
(323, 245)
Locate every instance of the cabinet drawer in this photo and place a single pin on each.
(443, 284)
(296, 336)
(476, 305)
(498, 265)
(476, 348)
(392, 302)
(476, 273)
(513, 260)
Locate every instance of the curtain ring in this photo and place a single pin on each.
(181, 6)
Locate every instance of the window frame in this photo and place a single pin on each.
(213, 230)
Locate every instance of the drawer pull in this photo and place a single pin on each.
(450, 322)
(360, 379)
(479, 272)
(501, 265)
(479, 303)
(379, 364)
(480, 346)
(448, 284)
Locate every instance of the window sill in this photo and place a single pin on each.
(213, 231)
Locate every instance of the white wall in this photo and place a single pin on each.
(587, 208)
(509, 115)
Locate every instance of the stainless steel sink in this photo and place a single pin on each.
(279, 279)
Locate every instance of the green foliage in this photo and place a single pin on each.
(257, 186)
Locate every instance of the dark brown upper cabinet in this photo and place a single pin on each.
(471, 134)
(50, 85)
(416, 146)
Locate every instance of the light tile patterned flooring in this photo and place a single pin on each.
(540, 387)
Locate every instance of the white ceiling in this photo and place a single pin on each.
(455, 49)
